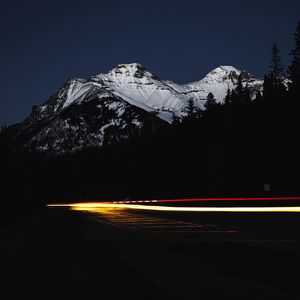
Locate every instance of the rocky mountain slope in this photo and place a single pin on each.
(110, 108)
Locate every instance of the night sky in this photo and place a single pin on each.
(45, 42)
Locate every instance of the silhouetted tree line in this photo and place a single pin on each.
(231, 148)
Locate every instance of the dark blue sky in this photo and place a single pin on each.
(45, 42)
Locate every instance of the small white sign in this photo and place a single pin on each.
(267, 187)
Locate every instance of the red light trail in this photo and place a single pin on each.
(212, 199)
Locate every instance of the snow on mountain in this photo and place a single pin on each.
(92, 124)
(218, 81)
(113, 107)
(137, 86)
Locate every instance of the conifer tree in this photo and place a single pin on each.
(273, 83)
(276, 68)
(294, 68)
(241, 94)
(227, 103)
(175, 119)
(227, 99)
(258, 97)
(210, 103)
(239, 88)
(192, 111)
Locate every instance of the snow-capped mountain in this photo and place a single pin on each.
(139, 87)
(113, 107)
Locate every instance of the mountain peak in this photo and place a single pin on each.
(229, 69)
(224, 70)
(129, 70)
(222, 73)
(132, 72)
(131, 66)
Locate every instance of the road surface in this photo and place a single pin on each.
(122, 253)
(188, 254)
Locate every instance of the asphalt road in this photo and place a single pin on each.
(192, 254)
(128, 254)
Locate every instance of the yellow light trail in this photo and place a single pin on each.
(95, 206)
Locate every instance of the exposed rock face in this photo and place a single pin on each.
(111, 108)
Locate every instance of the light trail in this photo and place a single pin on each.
(212, 199)
(229, 199)
(96, 207)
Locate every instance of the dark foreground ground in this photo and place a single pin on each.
(120, 254)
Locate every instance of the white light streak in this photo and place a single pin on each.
(97, 205)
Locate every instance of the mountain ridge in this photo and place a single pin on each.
(110, 108)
